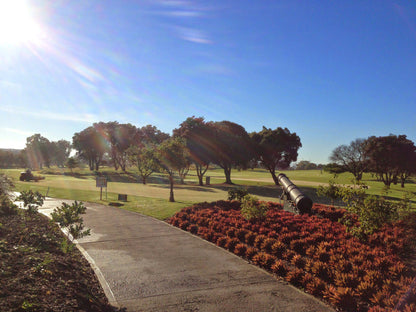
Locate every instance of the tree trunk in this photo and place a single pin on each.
(200, 173)
(273, 173)
(227, 172)
(171, 198)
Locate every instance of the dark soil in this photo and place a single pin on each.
(37, 275)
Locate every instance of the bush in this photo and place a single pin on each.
(237, 194)
(6, 185)
(68, 216)
(31, 200)
(7, 207)
(332, 191)
(372, 211)
(251, 208)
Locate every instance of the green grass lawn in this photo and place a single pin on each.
(152, 199)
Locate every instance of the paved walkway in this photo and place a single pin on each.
(147, 265)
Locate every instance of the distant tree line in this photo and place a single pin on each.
(199, 143)
(307, 165)
(392, 158)
(38, 153)
(195, 142)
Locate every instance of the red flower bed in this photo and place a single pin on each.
(312, 252)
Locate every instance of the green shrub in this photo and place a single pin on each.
(251, 207)
(31, 200)
(68, 217)
(7, 207)
(331, 191)
(372, 211)
(6, 185)
(237, 194)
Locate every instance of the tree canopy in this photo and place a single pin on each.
(172, 156)
(91, 146)
(275, 148)
(391, 157)
(196, 133)
(351, 158)
(230, 146)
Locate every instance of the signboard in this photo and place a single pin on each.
(101, 182)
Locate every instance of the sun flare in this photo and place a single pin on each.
(17, 23)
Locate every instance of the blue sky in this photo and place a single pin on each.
(331, 71)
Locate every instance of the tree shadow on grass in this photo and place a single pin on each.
(190, 187)
(130, 177)
(258, 190)
(75, 175)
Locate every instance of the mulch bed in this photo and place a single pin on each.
(37, 275)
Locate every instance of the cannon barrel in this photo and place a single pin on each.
(302, 202)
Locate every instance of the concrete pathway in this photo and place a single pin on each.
(147, 265)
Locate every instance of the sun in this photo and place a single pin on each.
(17, 23)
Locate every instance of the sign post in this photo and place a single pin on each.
(101, 182)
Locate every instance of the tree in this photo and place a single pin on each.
(351, 158)
(145, 160)
(172, 156)
(196, 133)
(306, 165)
(60, 152)
(38, 151)
(71, 163)
(391, 157)
(91, 146)
(230, 146)
(275, 148)
(119, 137)
(333, 168)
(150, 135)
(7, 159)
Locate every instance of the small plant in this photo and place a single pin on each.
(6, 185)
(240, 249)
(231, 243)
(332, 191)
(264, 260)
(279, 268)
(7, 207)
(66, 246)
(27, 305)
(249, 238)
(258, 241)
(237, 194)
(251, 208)
(295, 277)
(31, 200)
(68, 216)
(251, 252)
(342, 297)
(372, 211)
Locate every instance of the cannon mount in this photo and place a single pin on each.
(291, 193)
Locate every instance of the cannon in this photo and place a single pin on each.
(299, 201)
